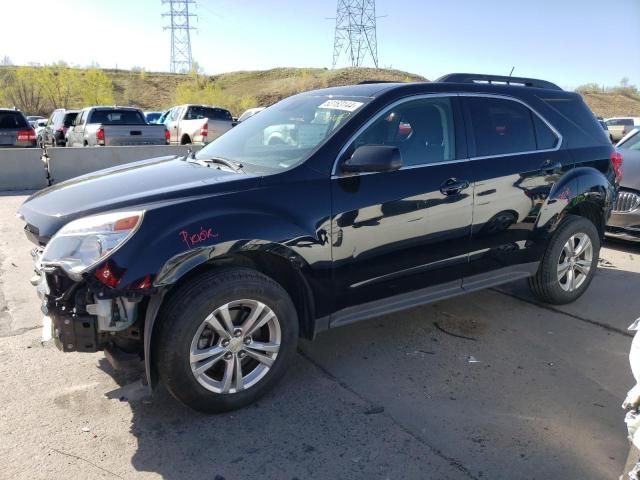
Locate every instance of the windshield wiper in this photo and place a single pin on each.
(235, 166)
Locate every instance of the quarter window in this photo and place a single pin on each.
(423, 131)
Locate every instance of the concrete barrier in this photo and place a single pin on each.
(65, 162)
(22, 169)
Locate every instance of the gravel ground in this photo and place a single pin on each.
(490, 385)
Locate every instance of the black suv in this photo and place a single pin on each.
(329, 207)
(54, 134)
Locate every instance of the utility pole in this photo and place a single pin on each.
(356, 32)
(180, 25)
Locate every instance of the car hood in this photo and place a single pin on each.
(630, 169)
(134, 185)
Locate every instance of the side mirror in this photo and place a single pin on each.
(373, 158)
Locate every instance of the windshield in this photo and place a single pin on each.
(632, 142)
(284, 135)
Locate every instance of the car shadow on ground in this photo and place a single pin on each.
(376, 415)
(308, 427)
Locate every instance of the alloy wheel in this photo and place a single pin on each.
(235, 346)
(575, 261)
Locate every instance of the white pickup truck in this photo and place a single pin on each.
(114, 126)
(197, 123)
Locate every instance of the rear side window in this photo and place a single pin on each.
(501, 126)
(69, 118)
(195, 113)
(12, 120)
(118, 117)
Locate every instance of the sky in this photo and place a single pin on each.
(569, 42)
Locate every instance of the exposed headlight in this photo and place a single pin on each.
(80, 244)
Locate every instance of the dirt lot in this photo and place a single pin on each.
(519, 391)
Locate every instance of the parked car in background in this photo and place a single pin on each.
(38, 127)
(152, 117)
(619, 126)
(197, 123)
(604, 126)
(32, 119)
(115, 126)
(212, 265)
(625, 217)
(15, 130)
(249, 113)
(59, 122)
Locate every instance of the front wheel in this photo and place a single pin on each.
(225, 338)
(569, 264)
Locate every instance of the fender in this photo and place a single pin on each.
(579, 185)
(179, 266)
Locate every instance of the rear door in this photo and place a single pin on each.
(515, 162)
(404, 231)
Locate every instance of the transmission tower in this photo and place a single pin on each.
(180, 26)
(356, 31)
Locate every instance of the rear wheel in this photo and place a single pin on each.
(569, 263)
(225, 339)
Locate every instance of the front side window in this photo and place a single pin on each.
(501, 126)
(285, 134)
(423, 131)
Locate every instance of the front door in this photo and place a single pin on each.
(406, 230)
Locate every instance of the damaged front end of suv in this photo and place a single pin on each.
(76, 283)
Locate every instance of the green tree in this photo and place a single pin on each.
(24, 89)
(96, 88)
(61, 85)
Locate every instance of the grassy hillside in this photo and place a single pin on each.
(157, 90)
(240, 90)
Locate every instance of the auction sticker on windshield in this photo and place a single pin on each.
(346, 105)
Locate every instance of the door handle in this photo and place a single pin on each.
(549, 167)
(453, 186)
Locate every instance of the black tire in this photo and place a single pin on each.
(545, 284)
(182, 316)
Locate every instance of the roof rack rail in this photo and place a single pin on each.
(500, 79)
(370, 82)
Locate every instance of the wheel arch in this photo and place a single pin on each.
(275, 261)
(585, 192)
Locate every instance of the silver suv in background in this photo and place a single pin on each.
(15, 130)
(197, 123)
(620, 126)
(114, 126)
(59, 122)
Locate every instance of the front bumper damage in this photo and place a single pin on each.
(78, 321)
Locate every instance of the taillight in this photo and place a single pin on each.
(616, 163)
(27, 135)
(204, 131)
(167, 136)
(100, 134)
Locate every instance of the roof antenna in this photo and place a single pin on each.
(511, 72)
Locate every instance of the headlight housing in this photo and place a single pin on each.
(82, 243)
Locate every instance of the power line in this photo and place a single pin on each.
(355, 32)
(180, 26)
